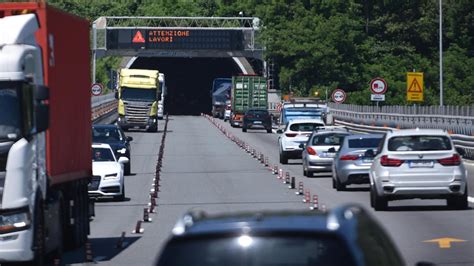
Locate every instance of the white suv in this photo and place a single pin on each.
(296, 132)
(418, 163)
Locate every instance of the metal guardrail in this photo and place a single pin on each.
(102, 106)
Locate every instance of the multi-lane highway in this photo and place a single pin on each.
(203, 169)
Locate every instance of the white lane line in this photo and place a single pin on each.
(470, 199)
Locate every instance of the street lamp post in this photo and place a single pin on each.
(440, 52)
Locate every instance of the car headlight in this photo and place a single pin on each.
(11, 222)
(111, 176)
(122, 151)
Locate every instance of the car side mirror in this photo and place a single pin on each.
(279, 131)
(332, 149)
(461, 151)
(129, 138)
(41, 108)
(369, 153)
(302, 145)
(123, 160)
(116, 95)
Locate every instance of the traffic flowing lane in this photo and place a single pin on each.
(409, 222)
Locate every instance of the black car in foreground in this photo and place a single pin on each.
(257, 118)
(347, 235)
(115, 137)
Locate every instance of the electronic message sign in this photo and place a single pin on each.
(175, 39)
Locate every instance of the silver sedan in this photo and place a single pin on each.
(320, 150)
(353, 160)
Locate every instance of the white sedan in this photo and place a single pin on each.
(108, 173)
(296, 132)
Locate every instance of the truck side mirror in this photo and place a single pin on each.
(41, 108)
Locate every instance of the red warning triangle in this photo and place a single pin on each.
(138, 38)
(415, 86)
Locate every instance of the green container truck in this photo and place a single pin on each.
(248, 92)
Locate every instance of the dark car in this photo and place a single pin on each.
(257, 118)
(115, 137)
(347, 235)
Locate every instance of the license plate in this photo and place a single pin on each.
(329, 154)
(367, 160)
(421, 164)
(257, 122)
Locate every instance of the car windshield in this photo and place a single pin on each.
(305, 126)
(257, 250)
(10, 110)
(419, 143)
(328, 139)
(102, 155)
(137, 94)
(106, 134)
(364, 143)
(290, 114)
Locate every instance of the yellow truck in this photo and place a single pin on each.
(138, 95)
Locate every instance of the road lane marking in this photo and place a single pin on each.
(445, 242)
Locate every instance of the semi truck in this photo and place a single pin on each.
(45, 124)
(138, 95)
(247, 92)
(220, 93)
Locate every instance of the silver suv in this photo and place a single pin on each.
(418, 163)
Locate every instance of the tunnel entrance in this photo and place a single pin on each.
(189, 80)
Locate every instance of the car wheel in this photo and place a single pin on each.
(244, 129)
(127, 168)
(377, 202)
(269, 130)
(283, 158)
(122, 196)
(339, 185)
(305, 173)
(309, 173)
(459, 202)
(333, 183)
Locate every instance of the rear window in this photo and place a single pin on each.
(257, 250)
(364, 143)
(328, 139)
(419, 143)
(305, 126)
(258, 112)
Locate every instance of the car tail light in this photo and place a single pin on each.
(291, 135)
(311, 151)
(450, 161)
(349, 157)
(385, 161)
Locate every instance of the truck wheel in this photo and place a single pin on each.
(39, 235)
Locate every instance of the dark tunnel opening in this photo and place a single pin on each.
(189, 80)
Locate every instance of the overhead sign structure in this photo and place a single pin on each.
(378, 86)
(97, 89)
(415, 86)
(338, 96)
(175, 39)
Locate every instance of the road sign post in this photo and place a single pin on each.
(378, 86)
(415, 86)
(96, 89)
(338, 96)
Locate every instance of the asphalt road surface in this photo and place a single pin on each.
(203, 169)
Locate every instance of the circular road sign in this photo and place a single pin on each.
(338, 96)
(97, 89)
(378, 86)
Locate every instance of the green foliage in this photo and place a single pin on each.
(321, 45)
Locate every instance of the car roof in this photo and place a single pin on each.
(417, 132)
(101, 145)
(289, 108)
(104, 126)
(335, 221)
(363, 136)
(300, 121)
